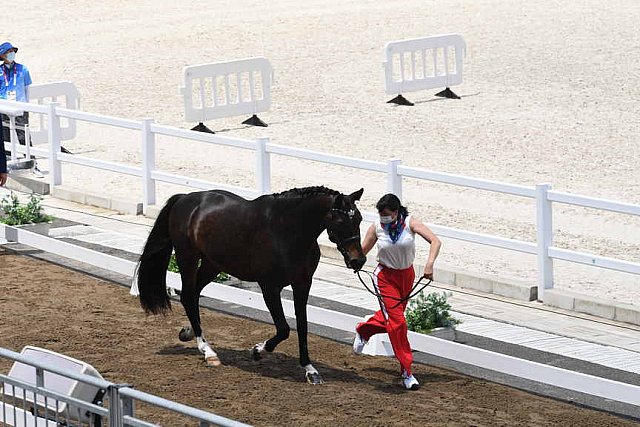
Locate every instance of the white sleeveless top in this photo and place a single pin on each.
(399, 255)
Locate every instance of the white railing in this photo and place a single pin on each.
(225, 89)
(54, 405)
(545, 374)
(423, 63)
(393, 169)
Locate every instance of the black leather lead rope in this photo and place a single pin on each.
(412, 293)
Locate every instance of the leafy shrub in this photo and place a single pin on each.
(173, 266)
(425, 313)
(16, 213)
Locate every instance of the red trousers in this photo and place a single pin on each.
(390, 319)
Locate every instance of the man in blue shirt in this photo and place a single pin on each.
(14, 86)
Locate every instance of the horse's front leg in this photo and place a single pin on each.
(300, 298)
(271, 295)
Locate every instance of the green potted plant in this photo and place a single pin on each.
(429, 314)
(15, 213)
(425, 314)
(173, 267)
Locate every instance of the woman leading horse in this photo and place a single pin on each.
(271, 240)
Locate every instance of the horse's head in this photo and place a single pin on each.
(343, 228)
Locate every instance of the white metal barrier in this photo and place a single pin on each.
(64, 92)
(225, 89)
(497, 362)
(424, 63)
(49, 389)
(393, 169)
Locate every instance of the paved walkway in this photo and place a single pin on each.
(531, 325)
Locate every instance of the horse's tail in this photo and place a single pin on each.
(152, 267)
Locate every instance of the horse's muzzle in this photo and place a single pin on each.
(356, 263)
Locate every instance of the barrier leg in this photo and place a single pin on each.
(255, 121)
(448, 93)
(200, 127)
(400, 100)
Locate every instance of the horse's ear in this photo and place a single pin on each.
(356, 196)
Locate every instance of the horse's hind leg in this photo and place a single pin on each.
(194, 279)
(271, 295)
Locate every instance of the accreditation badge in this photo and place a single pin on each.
(11, 95)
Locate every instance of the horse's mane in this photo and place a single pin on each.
(304, 192)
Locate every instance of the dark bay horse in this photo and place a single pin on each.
(271, 240)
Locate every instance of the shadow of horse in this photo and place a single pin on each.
(283, 367)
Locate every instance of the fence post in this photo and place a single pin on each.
(148, 164)
(394, 180)
(128, 406)
(544, 229)
(115, 407)
(263, 166)
(13, 136)
(55, 166)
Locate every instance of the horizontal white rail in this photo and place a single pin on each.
(188, 411)
(593, 202)
(301, 153)
(594, 260)
(465, 181)
(203, 137)
(24, 106)
(67, 250)
(40, 152)
(201, 184)
(99, 118)
(100, 164)
(485, 239)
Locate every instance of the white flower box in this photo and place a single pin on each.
(379, 344)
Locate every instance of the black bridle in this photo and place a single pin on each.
(341, 244)
(412, 293)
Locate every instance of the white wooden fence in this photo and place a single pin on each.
(540, 373)
(225, 89)
(424, 63)
(263, 149)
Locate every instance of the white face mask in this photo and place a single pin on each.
(11, 56)
(386, 219)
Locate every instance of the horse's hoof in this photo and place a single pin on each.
(314, 378)
(213, 361)
(255, 353)
(186, 334)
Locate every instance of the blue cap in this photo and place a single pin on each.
(5, 47)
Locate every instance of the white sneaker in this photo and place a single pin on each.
(358, 344)
(410, 382)
(37, 172)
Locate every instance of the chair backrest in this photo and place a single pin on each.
(64, 92)
(53, 382)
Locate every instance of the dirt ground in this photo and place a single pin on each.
(98, 322)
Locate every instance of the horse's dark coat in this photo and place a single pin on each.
(271, 240)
